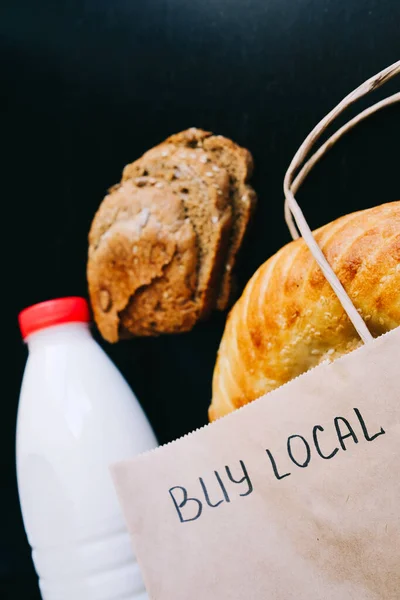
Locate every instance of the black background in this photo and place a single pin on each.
(87, 86)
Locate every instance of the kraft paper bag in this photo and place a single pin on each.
(296, 495)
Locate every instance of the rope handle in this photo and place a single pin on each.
(293, 213)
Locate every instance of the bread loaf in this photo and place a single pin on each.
(163, 243)
(289, 320)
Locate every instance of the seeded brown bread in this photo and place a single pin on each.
(289, 320)
(238, 162)
(204, 190)
(142, 263)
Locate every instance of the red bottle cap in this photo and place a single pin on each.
(53, 312)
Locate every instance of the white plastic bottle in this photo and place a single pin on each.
(76, 415)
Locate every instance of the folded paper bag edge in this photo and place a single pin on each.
(120, 465)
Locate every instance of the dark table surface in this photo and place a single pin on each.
(87, 86)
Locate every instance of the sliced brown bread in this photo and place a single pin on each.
(238, 163)
(142, 266)
(163, 243)
(204, 189)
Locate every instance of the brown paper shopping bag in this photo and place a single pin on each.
(294, 496)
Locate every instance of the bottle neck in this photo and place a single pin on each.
(65, 333)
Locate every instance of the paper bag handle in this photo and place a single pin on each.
(293, 212)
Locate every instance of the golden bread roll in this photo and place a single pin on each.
(289, 320)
